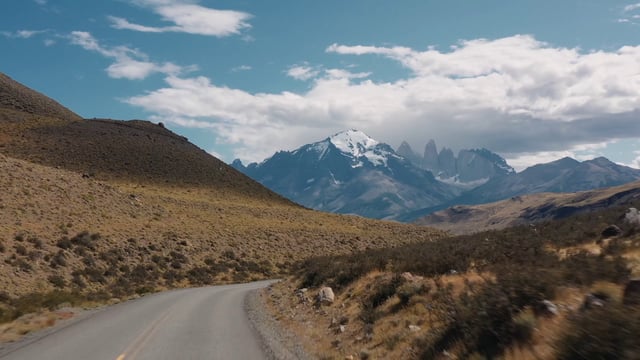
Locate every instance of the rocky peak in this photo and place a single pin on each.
(407, 152)
(430, 159)
(447, 163)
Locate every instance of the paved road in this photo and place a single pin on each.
(203, 323)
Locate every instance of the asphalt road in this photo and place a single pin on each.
(202, 323)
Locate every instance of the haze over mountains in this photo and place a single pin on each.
(352, 173)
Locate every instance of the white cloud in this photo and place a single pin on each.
(636, 162)
(41, 2)
(344, 74)
(49, 42)
(241, 68)
(22, 34)
(128, 63)
(629, 19)
(631, 7)
(302, 72)
(188, 17)
(515, 95)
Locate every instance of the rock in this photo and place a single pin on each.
(302, 295)
(326, 295)
(342, 328)
(632, 217)
(430, 159)
(631, 295)
(414, 328)
(447, 162)
(549, 308)
(407, 152)
(611, 231)
(592, 301)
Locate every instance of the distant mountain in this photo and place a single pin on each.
(350, 173)
(528, 209)
(469, 169)
(563, 175)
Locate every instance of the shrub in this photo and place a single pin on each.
(58, 260)
(21, 250)
(610, 332)
(64, 243)
(57, 281)
(85, 239)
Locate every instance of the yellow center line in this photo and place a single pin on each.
(135, 347)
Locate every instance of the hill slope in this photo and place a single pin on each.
(15, 96)
(105, 208)
(563, 175)
(528, 209)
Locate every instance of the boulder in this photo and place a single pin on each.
(633, 217)
(631, 295)
(414, 328)
(611, 231)
(549, 308)
(326, 295)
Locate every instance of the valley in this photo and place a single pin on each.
(102, 211)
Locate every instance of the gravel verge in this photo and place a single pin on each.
(278, 343)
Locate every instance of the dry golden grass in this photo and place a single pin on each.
(26, 324)
(393, 333)
(48, 204)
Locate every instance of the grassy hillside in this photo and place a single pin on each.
(15, 96)
(477, 296)
(101, 209)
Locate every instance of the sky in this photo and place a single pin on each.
(533, 80)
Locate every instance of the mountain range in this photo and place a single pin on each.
(352, 173)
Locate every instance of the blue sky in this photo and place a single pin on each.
(531, 80)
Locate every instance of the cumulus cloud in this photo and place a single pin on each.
(516, 95)
(128, 63)
(188, 17)
(302, 72)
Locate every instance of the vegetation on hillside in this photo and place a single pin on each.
(506, 282)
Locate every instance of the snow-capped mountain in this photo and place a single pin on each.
(471, 168)
(350, 173)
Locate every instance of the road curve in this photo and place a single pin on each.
(201, 323)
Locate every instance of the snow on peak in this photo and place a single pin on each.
(353, 142)
(360, 146)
